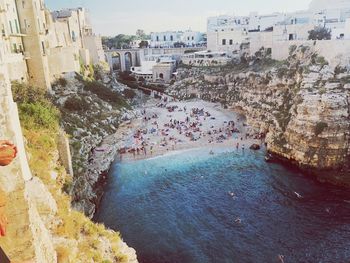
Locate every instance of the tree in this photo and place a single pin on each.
(143, 44)
(179, 44)
(320, 33)
(140, 34)
(119, 41)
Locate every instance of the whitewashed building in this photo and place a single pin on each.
(165, 39)
(168, 39)
(228, 33)
(192, 38)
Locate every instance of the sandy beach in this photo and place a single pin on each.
(166, 127)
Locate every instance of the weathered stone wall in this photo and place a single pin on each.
(64, 152)
(27, 237)
(330, 49)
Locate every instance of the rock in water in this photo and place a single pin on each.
(255, 147)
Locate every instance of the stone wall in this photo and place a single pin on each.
(27, 237)
(329, 49)
(63, 60)
(64, 152)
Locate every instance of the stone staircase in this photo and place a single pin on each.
(27, 238)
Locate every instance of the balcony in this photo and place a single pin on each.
(17, 35)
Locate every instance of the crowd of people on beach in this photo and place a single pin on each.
(192, 128)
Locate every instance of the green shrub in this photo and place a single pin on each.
(129, 94)
(292, 49)
(76, 104)
(320, 127)
(321, 61)
(23, 93)
(61, 81)
(126, 76)
(38, 115)
(105, 93)
(339, 70)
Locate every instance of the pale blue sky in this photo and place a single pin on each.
(112, 17)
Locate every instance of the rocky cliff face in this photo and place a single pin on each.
(91, 114)
(302, 105)
(42, 225)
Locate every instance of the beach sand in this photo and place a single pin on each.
(157, 138)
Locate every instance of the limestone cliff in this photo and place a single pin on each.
(91, 113)
(302, 104)
(42, 226)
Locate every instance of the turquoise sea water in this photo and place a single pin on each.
(178, 208)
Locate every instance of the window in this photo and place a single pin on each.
(43, 47)
(231, 42)
(224, 42)
(14, 48)
(11, 29)
(188, 38)
(192, 38)
(17, 28)
(157, 38)
(292, 37)
(22, 4)
(164, 38)
(171, 38)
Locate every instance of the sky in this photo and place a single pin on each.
(113, 17)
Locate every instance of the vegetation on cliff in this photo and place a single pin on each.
(76, 238)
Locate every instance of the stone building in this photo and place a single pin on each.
(33, 19)
(12, 44)
(163, 71)
(39, 46)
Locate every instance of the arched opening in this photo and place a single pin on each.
(116, 61)
(161, 76)
(128, 61)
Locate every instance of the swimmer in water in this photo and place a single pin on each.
(281, 258)
(298, 195)
(238, 220)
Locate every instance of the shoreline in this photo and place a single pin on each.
(108, 151)
(166, 131)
